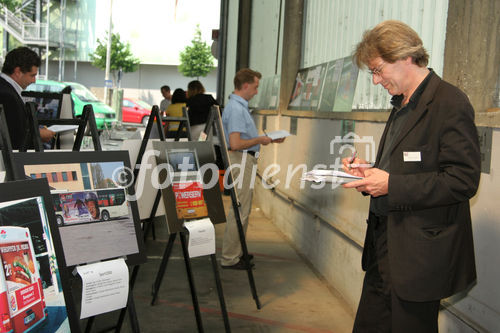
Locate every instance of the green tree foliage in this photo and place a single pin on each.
(11, 4)
(121, 56)
(196, 59)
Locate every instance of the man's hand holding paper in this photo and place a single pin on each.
(278, 136)
(375, 182)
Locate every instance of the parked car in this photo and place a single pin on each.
(81, 95)
(135, 111)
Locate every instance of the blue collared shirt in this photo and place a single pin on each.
(236, 118)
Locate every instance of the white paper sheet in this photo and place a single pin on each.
(201, 237)
(329, 176)
(105, 287)
(277, 134)
(62, 128)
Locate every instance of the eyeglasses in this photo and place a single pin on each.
(377, 71)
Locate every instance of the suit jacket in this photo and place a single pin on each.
(429, 232)
(15, 113)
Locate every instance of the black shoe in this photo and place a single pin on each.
(240, 265)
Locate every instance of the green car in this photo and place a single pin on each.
(104, 115)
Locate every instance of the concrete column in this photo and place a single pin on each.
(472, 50)
(244, 29)
(292, 49)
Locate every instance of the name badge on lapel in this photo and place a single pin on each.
(411, 156)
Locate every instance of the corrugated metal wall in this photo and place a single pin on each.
(333, 28)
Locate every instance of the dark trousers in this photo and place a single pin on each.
(380, 309)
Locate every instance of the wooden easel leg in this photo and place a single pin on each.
(189, 272)
(163, 267)
(221, 294)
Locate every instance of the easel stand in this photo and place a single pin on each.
(133, 277)
(155, 116)
(194, 297)
(183, 123)
(214, 122)
(87, 119)
(33, 136)
(6, 145)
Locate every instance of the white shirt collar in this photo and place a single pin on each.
(13, 83)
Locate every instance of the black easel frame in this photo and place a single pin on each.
(214, 122)
(87, 119)
(161, 272)
(184, 122)
(33, 135)
(154, 117)
(6, 145)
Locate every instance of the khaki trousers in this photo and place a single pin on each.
(242, 169)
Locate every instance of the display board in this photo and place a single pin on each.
(48, 105)
(145, 191)
(189, 182)
(35, 294)
(90, 191)
(269, 92)
(325, 87)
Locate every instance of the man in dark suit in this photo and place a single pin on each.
(18, 72)
(418, 246)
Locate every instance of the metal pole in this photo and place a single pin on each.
(76, 43)
(108, 51)
(47, 46)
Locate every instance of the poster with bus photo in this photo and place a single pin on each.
(34, 294)
(95, 219)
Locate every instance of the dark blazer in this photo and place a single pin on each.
(429, 232)
(15, 113)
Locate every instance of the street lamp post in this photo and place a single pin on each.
(108, 53)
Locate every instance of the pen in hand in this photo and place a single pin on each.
(353, 157)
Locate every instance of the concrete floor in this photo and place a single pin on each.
(293, 297)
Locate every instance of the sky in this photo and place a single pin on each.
(158, 30)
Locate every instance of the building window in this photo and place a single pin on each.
(73, 175)
(54, 177)
(44, 175)
(85, 176)
(64, 176)
(33, 176)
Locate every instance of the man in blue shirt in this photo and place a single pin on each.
(243, 143)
